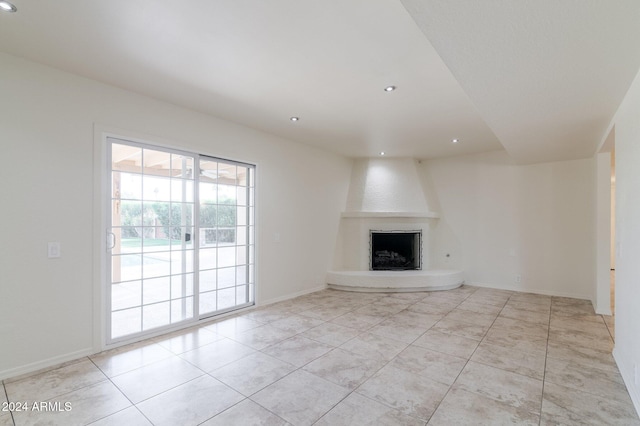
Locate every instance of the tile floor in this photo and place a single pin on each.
(465, 356)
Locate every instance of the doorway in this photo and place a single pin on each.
(613, 229)
(180, 235)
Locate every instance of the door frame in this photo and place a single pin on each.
(101, 187)
(109, 231)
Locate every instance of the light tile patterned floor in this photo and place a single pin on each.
(465, 356)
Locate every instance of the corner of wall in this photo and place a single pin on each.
(601, 297)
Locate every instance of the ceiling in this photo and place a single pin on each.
(541, 79)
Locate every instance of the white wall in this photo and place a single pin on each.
(47, 122)
(627, 217)
(500, 220)
(385, 185)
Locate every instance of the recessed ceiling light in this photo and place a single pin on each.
(294, 118)
(7, 7)
(455, 140)
(390, 88)
(381, 152)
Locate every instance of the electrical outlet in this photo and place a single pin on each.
(53, 250)
(518, 278)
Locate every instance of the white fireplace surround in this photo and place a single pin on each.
(386, 195)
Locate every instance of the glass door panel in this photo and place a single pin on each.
(181, 237)
(151, 281)
(224, 243)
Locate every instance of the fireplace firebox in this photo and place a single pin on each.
(395, 250)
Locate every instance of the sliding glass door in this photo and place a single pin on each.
(180, 237)
(225, 236)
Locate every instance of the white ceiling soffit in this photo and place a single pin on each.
(259, 62)
(546, 75)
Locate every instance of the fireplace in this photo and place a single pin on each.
(395, 250)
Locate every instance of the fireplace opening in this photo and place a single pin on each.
(395, 250)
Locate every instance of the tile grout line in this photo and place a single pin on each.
(208, 373)
(465, 364)
(204, 373)
(245, 397)
(262, 352)
(68, 392)
(385, 365)
(546, 358)
(546, 355)
(411, 303)
(334, 348)
(123, 394)
(608, 329)
(381, 368)
(339, 347)
(107, 378)
(488, 329)
(301, 368)
(589, 392)
(6, 395)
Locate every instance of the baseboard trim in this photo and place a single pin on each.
(603, 311)
(291, 296)
(58, 361)
(627, 375)
(529, 290)
(45, 364)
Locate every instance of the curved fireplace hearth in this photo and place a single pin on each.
(395, 281)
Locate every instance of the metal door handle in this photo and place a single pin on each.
(113, 240)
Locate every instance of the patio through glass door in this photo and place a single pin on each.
(180, 238)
